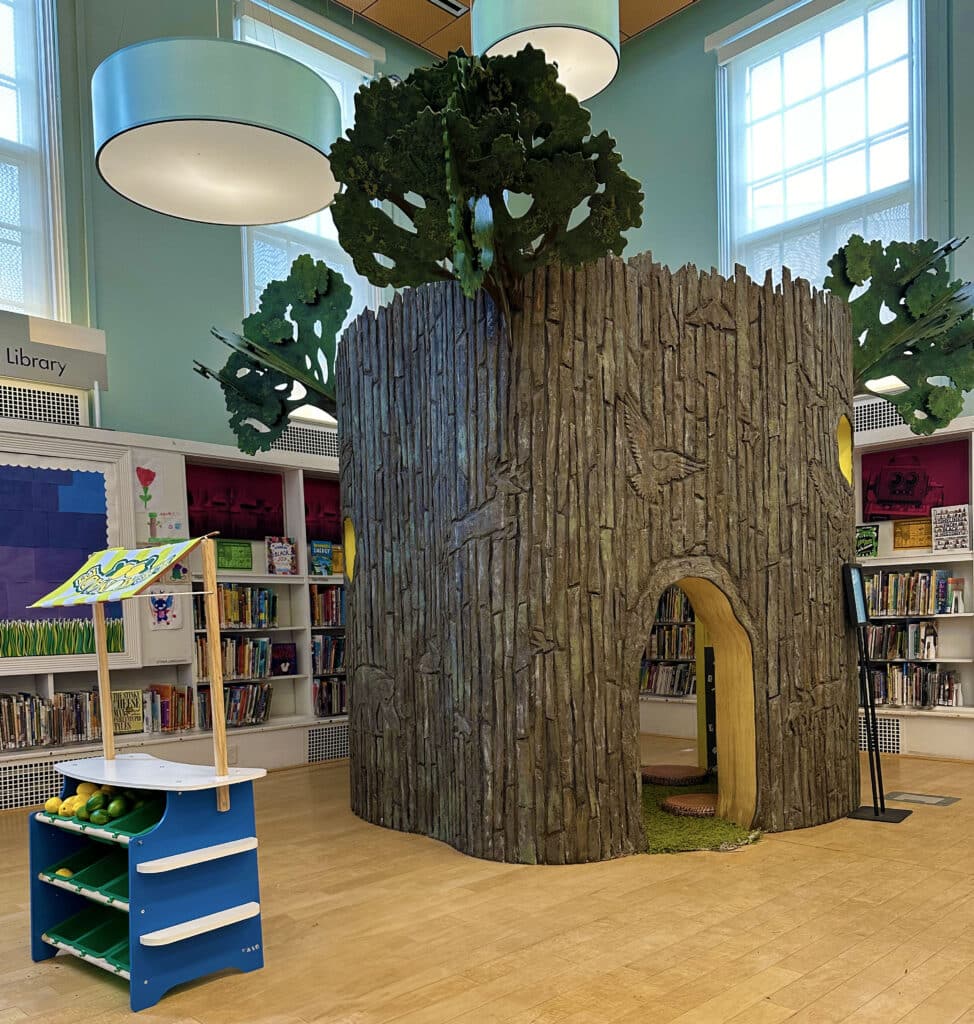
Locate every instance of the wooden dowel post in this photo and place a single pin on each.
(104, 682)
(214, 661)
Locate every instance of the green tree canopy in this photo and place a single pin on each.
(910, 321)
(291, 339)
(485, 161)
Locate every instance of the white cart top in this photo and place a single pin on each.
(143, 771)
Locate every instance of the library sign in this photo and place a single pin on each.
(51, 352)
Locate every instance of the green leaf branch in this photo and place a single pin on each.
(910, 321)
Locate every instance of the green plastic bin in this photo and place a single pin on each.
(117, 888)
(76, 928)
(76, 863)
(104, 870)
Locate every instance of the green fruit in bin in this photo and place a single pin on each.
(82, 813)
(100, 817)
(96, 802)
(118, 807)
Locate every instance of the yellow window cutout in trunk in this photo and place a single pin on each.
(349, 537)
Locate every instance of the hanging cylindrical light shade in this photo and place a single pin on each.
(216, 131)
(580, 36)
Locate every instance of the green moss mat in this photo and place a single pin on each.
(668, 833)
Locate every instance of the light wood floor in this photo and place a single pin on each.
(852, 921)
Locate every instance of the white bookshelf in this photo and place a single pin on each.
(940, 730)
(166, 656)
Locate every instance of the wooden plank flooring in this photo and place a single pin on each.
(849, 922)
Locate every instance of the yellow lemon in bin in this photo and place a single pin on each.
(85, 789)
(107, 789)
(53, 805)
(64, 872)
(67, 809)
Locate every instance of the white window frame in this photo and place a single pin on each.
(758, 29)
(39, 160)
(352, 60)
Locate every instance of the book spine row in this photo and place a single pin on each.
(327, 604)
(241, 607)
(167, 709)
(330, 697)
(908, 593)
(916, 641)
(671, 642)
(327, 654)
(668, 680)
(246, 704)
(674, 606)
(27, 720)
(916, 686)
(243, 658)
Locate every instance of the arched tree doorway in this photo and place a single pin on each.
(734, 688)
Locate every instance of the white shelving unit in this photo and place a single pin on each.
(939, 731)
(165, 656)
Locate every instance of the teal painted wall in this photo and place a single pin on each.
(155, 285)
(662, 106)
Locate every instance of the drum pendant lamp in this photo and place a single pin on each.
(214, 130)
(580, 36)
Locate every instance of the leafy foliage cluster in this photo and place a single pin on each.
(449, 147)
(912, 322)
(292, 338)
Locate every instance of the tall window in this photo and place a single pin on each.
(31, 271)
(823, 136)
(344, 65)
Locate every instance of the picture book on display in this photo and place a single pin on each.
(284, 659)
(282, 558)
(951, 526)
(867, 540)
(326, 558)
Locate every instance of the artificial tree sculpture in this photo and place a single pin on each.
(534, 445)
(912, 322)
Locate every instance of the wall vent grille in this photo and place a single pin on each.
(876, 414)
(321, 441)
(41, 404)
(889, 734)
(28, 783)
(328, 742)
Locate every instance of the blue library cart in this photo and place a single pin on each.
(161, 896)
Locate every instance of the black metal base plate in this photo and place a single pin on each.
(891, 815)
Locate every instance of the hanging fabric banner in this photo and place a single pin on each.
(116, 574)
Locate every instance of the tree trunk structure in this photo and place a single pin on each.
(520, 499)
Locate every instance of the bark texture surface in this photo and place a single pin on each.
(521, 500)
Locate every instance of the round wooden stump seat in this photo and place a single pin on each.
(691, 805)
(673, 774)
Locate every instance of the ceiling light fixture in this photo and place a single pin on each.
(580, 36)
(215, 131)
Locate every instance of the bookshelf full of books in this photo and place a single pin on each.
(668, 667)
(918, 642)
(329, 680)
(260, 627)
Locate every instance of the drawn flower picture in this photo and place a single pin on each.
(146, 476)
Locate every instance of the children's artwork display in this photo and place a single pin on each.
(951, 527)
(164, 611)
(907, 483)
(159, 492)
(50, 521)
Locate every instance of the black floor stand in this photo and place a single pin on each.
(879, 811)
